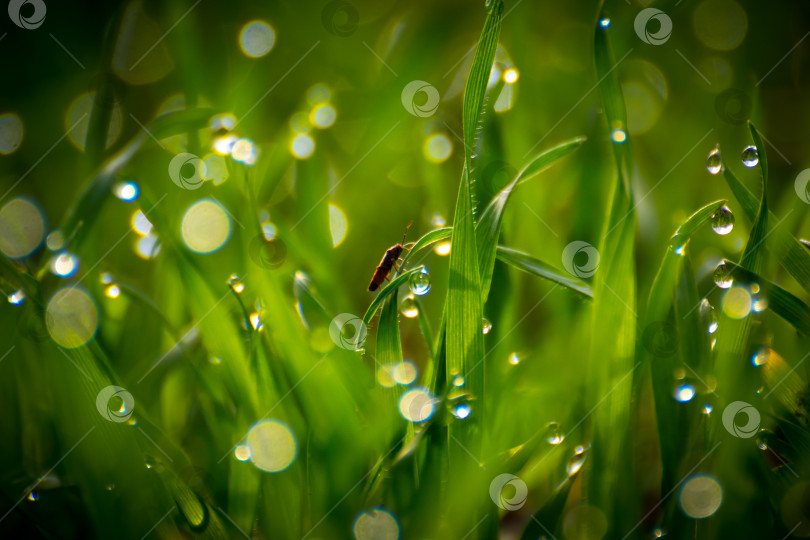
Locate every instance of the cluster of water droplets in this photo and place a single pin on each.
(714, 162)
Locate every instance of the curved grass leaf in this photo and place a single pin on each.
(488, 228)
(662, 361)
(387, 290)
(436, 235)
(531, 265)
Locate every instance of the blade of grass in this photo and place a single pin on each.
(536, 267)
(489, 224)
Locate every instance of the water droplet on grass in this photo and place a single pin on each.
(458, 380)
(618, 136)
(684, 392)
(236, 283)
(750, 157)
(723, 220)
(707, 409)
(487, 326)
(419, 282)
(577, 460)
(33, 496)
(604, 22)
(126, 191)
(461, 411)
(17, 297)
(554, 434)
(714, 163)
(761, 356)
(722, 276)
(408, 306)
(708, 315)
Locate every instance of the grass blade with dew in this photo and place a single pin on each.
(488, 228)
(536, 267)
(657, 353)
(387, 291)
(430, 238)
(613, 317)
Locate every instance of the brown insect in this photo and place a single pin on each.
(387, 263)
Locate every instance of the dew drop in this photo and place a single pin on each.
(618, 136)
(514, 359)
(32, 496)
(110, 487)
(442, 248)
(112, 291)
(408, 306)
(707, 409)
(461, 411)
(487, 326)
(458, 380)
(761, 356)
(577, 460)
(64, 265)
(236, 283)
(256, 322)
(658, 532)
(722, 276)
(684, 392)
(17, 297)
(419, 282)
(126, 191)
(554, 434)
(750, 157)
(708, 315)
(604, 22)
(714, 163)
(723, 221)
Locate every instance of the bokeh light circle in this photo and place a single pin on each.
(206, 226)
(71, 317)
(272, 445)
(257, 38)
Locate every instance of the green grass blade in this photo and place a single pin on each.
(790, 253)
(432, 237)
(389, 346)
(488, 227)
(387, 291)
(536, 267)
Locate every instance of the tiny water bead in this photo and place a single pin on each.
(487, 326)
(707, 409)
(461, 411)
(554, 434)
(514, 359)
(64, 265)
(110, 486)
(112, 291)
(408, 306)
(458, 380)
(761, 356)
(442, 248)
(750, 157)
(604, 22)
(722, 276)
(236, 284)
(17, 297)
(684, 392)
(419, 282)
(714, 163)
(126, 191)
(708, 315)
(618, 136)
(723, 220)
(32, 496)
(577, 460)
(511, 75)
(658, 532)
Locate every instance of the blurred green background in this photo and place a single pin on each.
(333, 168)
